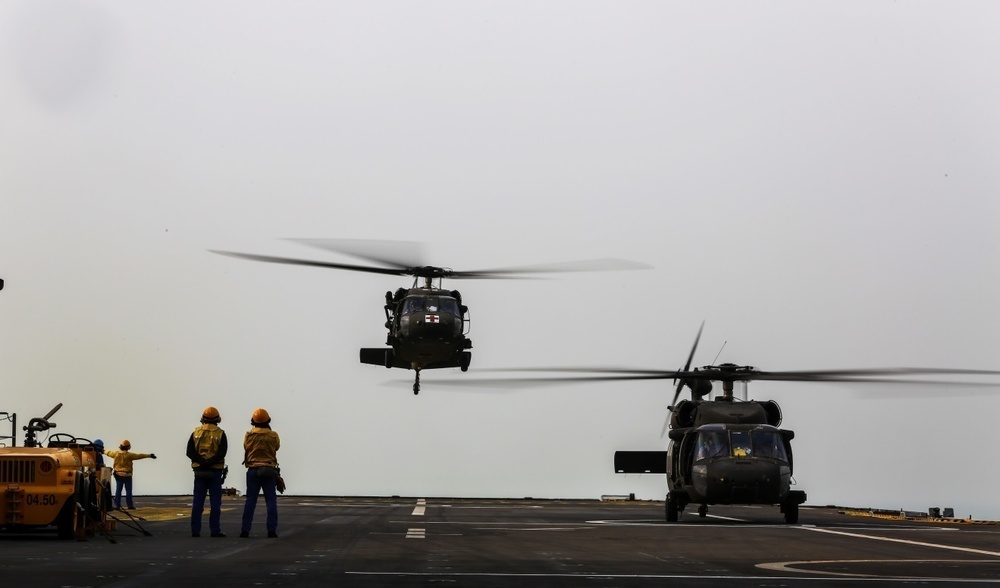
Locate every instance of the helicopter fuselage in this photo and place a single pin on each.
(426, 330)
(723, 452)
(729, 464)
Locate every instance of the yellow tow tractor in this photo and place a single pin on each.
(60, 486)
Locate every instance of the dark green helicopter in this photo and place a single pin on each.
(427, 324)
(726, 450)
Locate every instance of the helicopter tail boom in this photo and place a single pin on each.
(641, 462)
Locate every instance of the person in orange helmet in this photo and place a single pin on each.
(260, 456)
(206, 448)
(123, 471)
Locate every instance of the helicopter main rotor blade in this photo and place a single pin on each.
(876, 373)
(687, 366)
(516, 383)
(399, 254)
(587, 265)
(326, 264)
(714, 373)
(405, 258)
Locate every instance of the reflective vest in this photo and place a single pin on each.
(207, 438)
(123, 460)
(260, 447)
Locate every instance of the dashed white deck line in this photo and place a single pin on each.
(416, 533)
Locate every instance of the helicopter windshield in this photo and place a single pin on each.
(752, 443)
(440, 304)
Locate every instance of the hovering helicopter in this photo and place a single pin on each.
(427, 324)
(726, 450)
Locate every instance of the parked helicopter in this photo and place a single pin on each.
(726, 450)
(427, 324)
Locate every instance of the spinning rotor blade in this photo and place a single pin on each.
(400, 254)
(713, 373)
(404, 258)
(866, 374)
(687, 366)
(728, 373)
(327, 264)
(588, 265)
(521, 383)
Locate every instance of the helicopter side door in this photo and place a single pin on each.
(681, 458)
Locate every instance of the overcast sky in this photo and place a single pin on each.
(817, 181)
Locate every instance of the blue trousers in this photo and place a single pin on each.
(126, 483)
(254, 487)
(213, 487)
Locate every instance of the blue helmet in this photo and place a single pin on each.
(98, 442)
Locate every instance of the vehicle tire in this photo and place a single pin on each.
(66, 521)
(671, 507)
(791, 513)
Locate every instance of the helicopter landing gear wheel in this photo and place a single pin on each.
(416, 384)
(703, 511)
(791, 511)
(671, 507)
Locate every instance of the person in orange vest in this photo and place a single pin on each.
(206, 448)
(260, 456)
(123, 471)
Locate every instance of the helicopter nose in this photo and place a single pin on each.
(741, 481)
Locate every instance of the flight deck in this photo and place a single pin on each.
(332, 541)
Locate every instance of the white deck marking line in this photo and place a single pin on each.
(905, 541)
(418, 510)
(675, 577)
(789, 566)
(712, 516)
(416, 533)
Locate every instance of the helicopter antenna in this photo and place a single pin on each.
(720, 352)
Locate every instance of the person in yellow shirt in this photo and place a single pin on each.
(206, 448)
(260, 456)
(123, 471)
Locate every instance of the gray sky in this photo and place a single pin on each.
(818, 181)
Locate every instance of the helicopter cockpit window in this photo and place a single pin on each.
(414, 304)
(769, 444)
(741, 444)
(449, 306)
(711, 444)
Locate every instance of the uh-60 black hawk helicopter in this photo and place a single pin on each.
(427, 324)
(726, 450)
